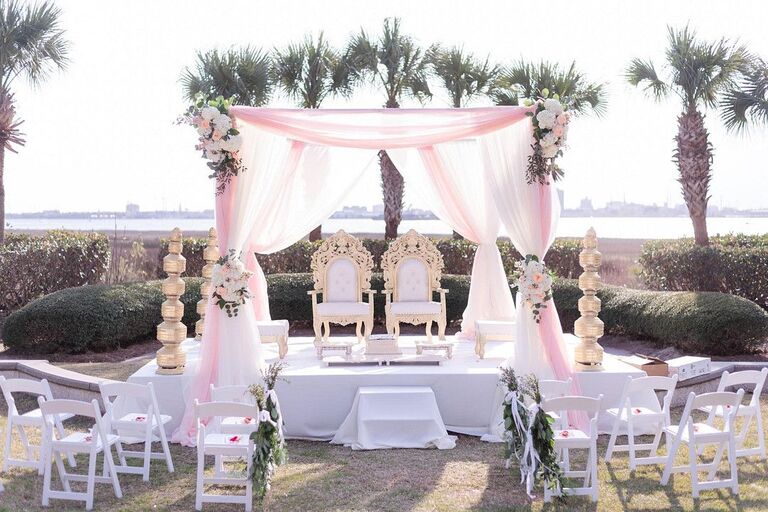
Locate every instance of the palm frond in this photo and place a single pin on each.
(643, 73)
(32, 43)
(748, 99)
(240, 73)
(462, 75)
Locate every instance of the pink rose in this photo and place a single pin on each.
(216, 135)
(204, 123)
(221, 290)
(563, 118)
(558, 130)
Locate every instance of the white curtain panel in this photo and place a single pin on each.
(519, 207)
(450, 178)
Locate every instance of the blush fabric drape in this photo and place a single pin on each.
(301, 163)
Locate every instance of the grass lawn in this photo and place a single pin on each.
(322, 477)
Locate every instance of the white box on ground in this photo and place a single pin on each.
(688, 367)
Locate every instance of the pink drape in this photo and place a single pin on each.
(380, 128)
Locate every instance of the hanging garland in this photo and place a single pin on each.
(528, 434)
(219, 140)
(229, 283)
(534, 283)
(269, 444)
(550, 131)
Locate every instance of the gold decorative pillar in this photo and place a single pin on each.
(211, 256)
(170, 358)
(589, 353)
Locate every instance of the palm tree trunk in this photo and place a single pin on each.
(392, 188)
(316, 234)
(2, 192)
(693, 156)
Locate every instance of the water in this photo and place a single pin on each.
(606, 227)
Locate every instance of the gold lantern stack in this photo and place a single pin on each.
(211, 256)
(589, 353)
(170, 358)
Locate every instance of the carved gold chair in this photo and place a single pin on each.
(412, 270)
(341, 269)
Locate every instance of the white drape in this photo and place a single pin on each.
(530, 220)
(450, 178)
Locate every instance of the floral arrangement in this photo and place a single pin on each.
(550, 131)
(230, 283)
(219, 139)
(269, 443)
(528, 433)
(534, 283)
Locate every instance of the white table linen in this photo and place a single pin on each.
(394, 417)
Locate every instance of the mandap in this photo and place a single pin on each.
(468, 164)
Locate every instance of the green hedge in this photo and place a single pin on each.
(698, 322)
(458, 256)
(736, 264)
(32, 266)
(103, 317)
(93, 318)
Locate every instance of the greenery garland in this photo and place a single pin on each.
(535, 427)
(269, 445)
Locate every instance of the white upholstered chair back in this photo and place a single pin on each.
(342, 282)
(413, 284)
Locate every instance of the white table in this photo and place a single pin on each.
(394, 417)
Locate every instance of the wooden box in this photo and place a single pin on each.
(652, 366)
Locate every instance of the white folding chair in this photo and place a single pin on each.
(746, 412)
(571, 438)
(33, 418)
(91, 442)
(134, 416)
(235, 443)
(631, 414)
(697, 435)
(236, 393)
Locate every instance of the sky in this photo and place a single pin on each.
(102, 133)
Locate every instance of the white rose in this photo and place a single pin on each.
(550, 152)
(209, 113)
(222, 122)
(546, 119)
(549, 139)
(553, 106)
(233, 143)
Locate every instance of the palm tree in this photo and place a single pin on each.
(308, 72)
(31, 45)
(242, 73)
(463, 76)
(394, 62)
(524, 80)
(748, 99)
(699, 73)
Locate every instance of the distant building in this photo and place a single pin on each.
(586, 205)
(132, 210)
(378, 209)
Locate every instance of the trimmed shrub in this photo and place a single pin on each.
(735, 264)
(699, 322)
(94, 318)
(32, 266)
(458, 255)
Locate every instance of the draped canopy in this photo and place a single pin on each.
(467, 164)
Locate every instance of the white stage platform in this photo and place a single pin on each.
(315, 398)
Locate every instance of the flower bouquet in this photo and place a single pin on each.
(219, 139)
(534, 283)
(269, 442)
(230, 283)
(550, 131)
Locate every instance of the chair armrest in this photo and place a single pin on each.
(370, 291)
(441, 290)
(314, 292)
